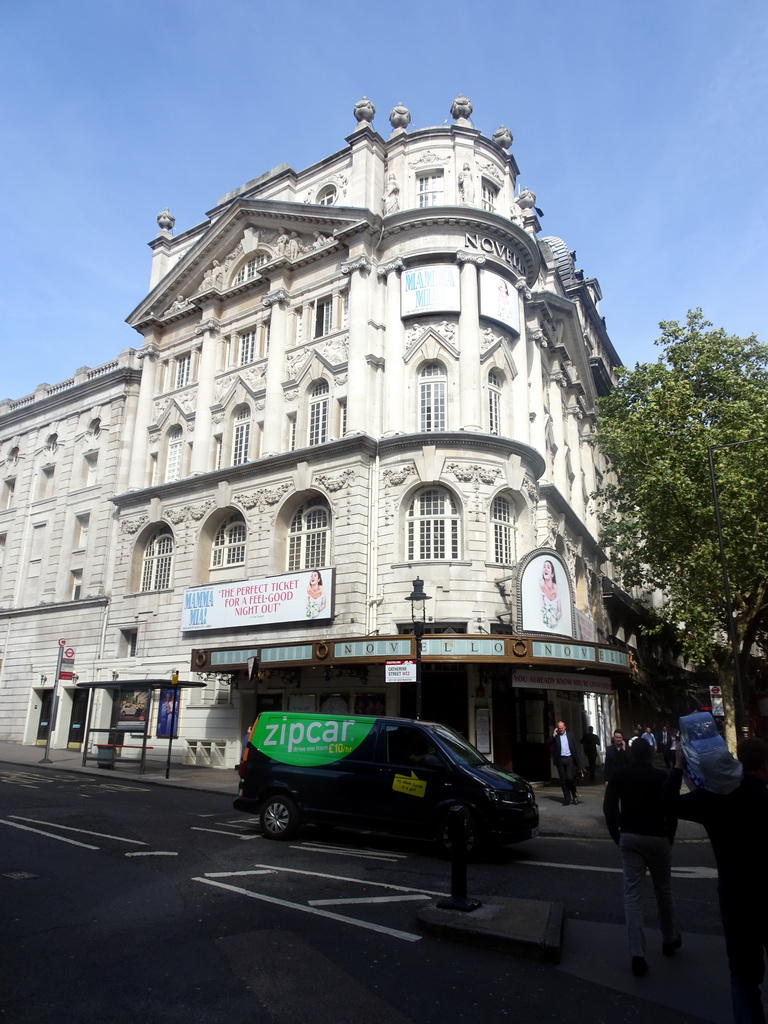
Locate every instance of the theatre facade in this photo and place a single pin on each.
(358, 385)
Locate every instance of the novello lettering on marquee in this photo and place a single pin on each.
(492, 246)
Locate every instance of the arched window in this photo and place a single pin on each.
(327, 195)
(229, 542)
(173, 460)
(494, 402)
(13, 456)
(432, 387)
(308, 536)
(249, 269)
(94, 427)
(433, 526)
(241, 436)
(318, 413)
(158, 560)
(52, 443)
(503, 523)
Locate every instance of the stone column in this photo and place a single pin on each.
(393, 419)
(201, 448)
(358, 392)
(535, 340)
(470, 383)
(274, 405)
(138, 473)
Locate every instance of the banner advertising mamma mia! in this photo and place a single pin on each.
(294, 597)
(431, 289)
(498, 300)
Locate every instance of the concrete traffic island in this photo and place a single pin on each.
(532, 928)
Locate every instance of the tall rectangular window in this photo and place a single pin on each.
(241, 437)
(91, 468)
(81, 530)
(431, 189)
(324, 316)
(76, 584)
(9, 492)
(247, 347)
(173, 461)
(318, 414)
(183, 370)
(490, 192)
(432, 398)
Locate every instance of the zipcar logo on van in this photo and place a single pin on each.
(302, 739)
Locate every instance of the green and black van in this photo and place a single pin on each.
(391, 775)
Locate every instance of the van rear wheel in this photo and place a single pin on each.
(279, 817)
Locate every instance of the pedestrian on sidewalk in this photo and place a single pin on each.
(590, 743)
(644, 833)
(565, 757)
(615, 755)
(737, 826)
(665, 744)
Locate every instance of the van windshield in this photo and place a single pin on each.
(461, 748)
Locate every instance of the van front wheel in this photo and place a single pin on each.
(279, 817)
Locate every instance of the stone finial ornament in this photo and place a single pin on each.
(399, 118)
(526, 200)
(364, 111)
(461, 109)
(166, 220)
(502, 137)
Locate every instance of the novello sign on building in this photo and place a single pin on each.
(294, 597)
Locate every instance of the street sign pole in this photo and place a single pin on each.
(54, 704)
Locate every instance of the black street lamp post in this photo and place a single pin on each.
(418, 601)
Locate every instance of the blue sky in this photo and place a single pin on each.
(641, 127)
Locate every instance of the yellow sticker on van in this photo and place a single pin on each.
(411, 784)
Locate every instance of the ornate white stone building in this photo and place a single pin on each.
(375, 368)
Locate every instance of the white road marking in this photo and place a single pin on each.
(39, 832)
(346, 853)
(369, 899)
(82, 831)
(677, 872)
(153, 853)
(406, 936)
(337, 878)
(218, 832)
(334, 848)
(236, 874)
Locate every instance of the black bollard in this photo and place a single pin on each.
(458, 837)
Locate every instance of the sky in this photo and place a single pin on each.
(641, 127)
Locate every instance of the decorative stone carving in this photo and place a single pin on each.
(466, 186)
(362, 263)
(335, 351)
(468, 473)
(295, 363)
(385, 268)
(333, 483)
(255, 377)
(129, 527)
(522, 205)
(235, 255)
(185, 515)
(430, 159)
(186, 399)
(531, 489)
(443, 329)
(470, 257)
(461, 109)
(207, 325)
(212, 277)
(264, 498)
(158, 408)
(364, 112)
(166, 220)
(524, 290)
(491, 171)
(391, 200)
(502, 137)
(281, 295)
(397, 476)
(177, 305)
(399, 118)
(291, 395)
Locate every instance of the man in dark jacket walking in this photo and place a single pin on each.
(615, 755)
(638, 825)
(737, 826)
(565, 757)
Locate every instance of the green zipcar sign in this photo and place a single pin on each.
(308, 740)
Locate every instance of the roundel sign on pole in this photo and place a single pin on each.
(69, 653)
(62, 643)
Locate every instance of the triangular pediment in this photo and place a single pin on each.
(274, 233)
(430, 340)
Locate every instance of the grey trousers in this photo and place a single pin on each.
(639, 853)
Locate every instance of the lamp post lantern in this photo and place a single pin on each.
(418, 601)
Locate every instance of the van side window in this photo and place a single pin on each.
(364, 751)
(404, 745)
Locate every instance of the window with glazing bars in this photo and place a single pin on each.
(430, 189)
(502, 518)
(433, 526)
(324, 316)
(308, 538)
(432, 403)
(229, 543)
(318, 413)
(241, 436)
(173, 461)
(183, 369)
(158, 558)
(494, 402)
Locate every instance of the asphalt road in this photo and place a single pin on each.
(126, 902)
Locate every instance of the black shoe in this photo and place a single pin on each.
(639, 966)
(575, 799)
(670, 948)
(566, 802)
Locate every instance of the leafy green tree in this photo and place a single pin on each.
(707, 388)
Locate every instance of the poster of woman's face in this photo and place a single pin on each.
(499, 300)
(546, 602)
(168, 713)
